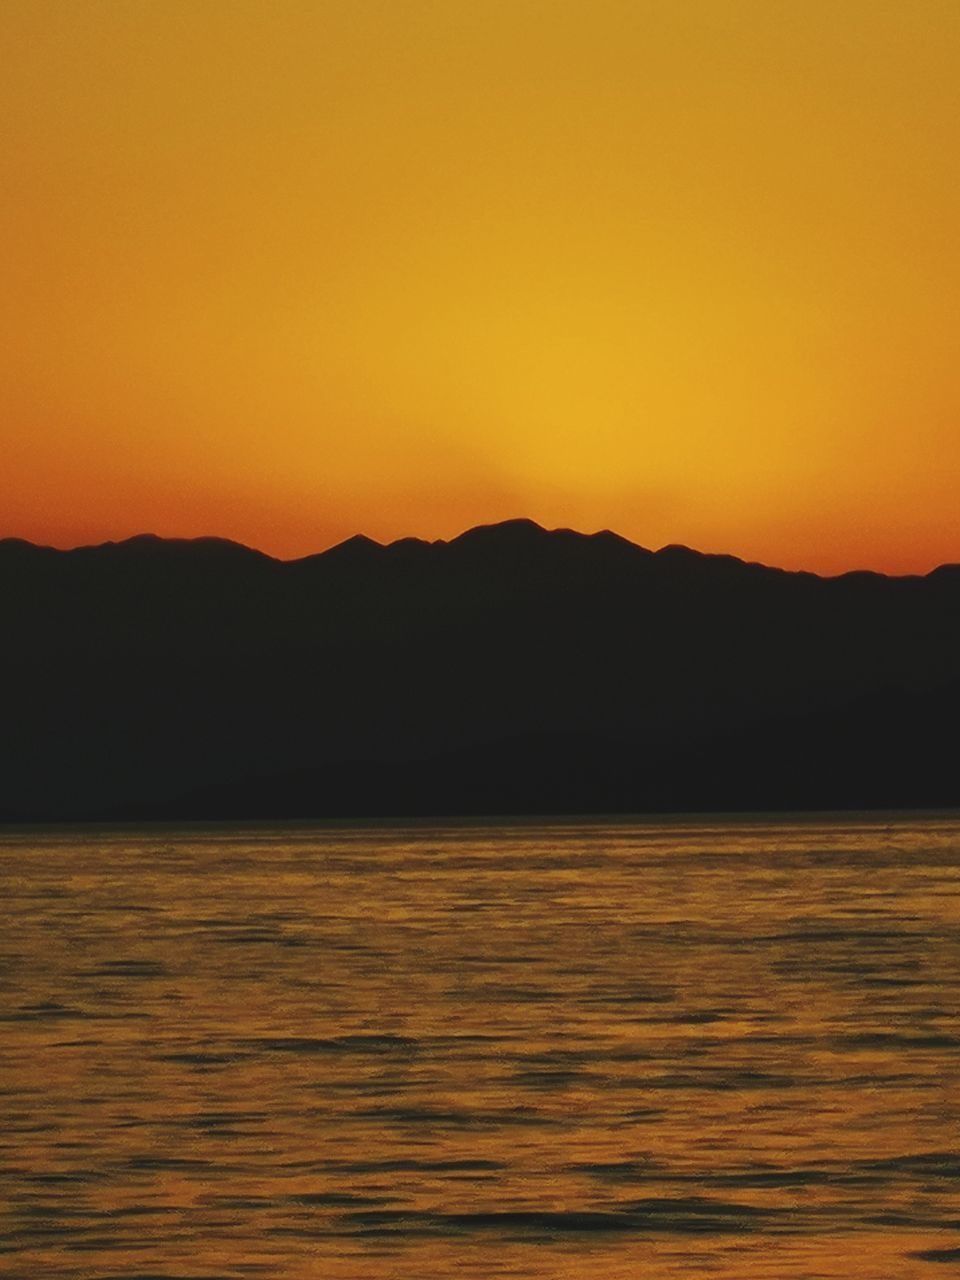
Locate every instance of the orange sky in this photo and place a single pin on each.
(283, 270)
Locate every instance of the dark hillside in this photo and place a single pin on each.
(509, 670)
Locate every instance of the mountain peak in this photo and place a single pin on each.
(356, 540)
(504, 531)
(358, 547)
(153, 545)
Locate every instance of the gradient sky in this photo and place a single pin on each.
(289, 269)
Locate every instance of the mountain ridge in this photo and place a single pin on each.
(506, 669)
(501, 530)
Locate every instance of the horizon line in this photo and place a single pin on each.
(517, 522)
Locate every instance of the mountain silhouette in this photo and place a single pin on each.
(509, 670)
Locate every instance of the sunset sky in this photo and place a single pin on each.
(287, 270)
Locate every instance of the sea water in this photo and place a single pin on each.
(723, 1048)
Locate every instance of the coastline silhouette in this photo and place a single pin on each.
(509, 670)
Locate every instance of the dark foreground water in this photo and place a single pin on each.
(719, 1049)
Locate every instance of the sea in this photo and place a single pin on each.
(723, 1047)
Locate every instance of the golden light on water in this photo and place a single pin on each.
(594, 1049)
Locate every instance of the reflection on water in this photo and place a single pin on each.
(670, 1050)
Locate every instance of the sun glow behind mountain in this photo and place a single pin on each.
(285, 271)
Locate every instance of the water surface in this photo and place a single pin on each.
(722, 1048)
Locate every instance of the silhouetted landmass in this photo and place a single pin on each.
(510, 670)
